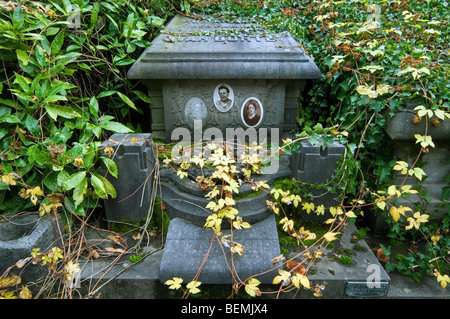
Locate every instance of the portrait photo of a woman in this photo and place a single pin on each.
(252, 112)
(223, 97)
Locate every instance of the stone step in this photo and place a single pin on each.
(142, 280)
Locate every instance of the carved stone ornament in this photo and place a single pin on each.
(195, 109)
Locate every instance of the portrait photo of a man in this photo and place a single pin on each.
(223, 97)
(252, 112)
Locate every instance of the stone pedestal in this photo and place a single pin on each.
(188, 246)
(135, 159)
(312, 164)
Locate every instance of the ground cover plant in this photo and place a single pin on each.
(64, 90)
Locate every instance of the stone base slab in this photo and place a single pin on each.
(187, 246)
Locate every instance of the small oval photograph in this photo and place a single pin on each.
(223, 97)
(252, 112)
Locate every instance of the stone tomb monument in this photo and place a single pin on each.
(225, 78)
(205, 77)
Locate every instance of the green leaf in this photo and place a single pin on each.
(106, 93)
(35, 154)
(115, 127)
(54, 98)
(144, 97)
(99, 187)
(57, 43)
(32, 126)
(62, 177)
(73, 180)
(22, 56)
(110, 165)
(18, 15)
(23, 82)
(127, 100)
(109, 188)
(79, 211)
(79, 192)
(64, 111)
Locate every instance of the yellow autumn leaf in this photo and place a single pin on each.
(252, 287)
(350, 214)
(442, 279)
(9, 179)
(302, 280)
(336, 211)
(239, 223)
(330, 236)
(392, 191)
(383, 88)
(193, 286)
(237, 248)
(401, 166)
(174, 283)
(283, 277)
(25, 293)
(320, 210)
(182, 174)
(10, 281)
(381, 204)
(308, 207)
(394, 213)
(213, 221)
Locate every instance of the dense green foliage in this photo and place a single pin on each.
(63, 90)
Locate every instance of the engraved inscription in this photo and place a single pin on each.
(362, 289)
(223, 38)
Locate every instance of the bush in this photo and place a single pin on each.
(64, 90)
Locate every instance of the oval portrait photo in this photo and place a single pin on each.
(223, 97)
(252, 112)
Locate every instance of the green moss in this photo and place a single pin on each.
(159, 222)
(359, 248)
(135, 258)
(345, 260)
(247, 195)
(286, 240)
